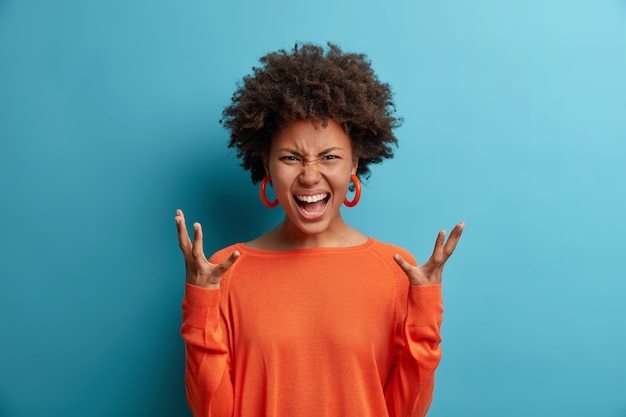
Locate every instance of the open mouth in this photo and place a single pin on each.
(312, 204)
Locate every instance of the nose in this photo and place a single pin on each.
(310, 173)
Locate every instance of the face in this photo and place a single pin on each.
(310, 166)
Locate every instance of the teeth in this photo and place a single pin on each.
(311, 198)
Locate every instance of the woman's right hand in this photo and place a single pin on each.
(199, 271)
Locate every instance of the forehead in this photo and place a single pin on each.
(310, 136)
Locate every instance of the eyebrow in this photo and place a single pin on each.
(324, 152)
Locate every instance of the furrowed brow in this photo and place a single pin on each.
(322, 153)
(291, 151)
(329, 150)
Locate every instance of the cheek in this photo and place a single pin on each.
(341, 180)
(282, 179)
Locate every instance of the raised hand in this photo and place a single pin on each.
(432, 271)
(199, 271)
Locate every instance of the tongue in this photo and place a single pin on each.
(316, 207)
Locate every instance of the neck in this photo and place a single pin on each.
(286, 236)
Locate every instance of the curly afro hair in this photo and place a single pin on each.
(312, 83)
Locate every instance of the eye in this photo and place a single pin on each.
(289, 158)
(330, 158)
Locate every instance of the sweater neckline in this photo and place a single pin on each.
(242, 247)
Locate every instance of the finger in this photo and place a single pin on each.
(183, 236)
(406, 266)
(438, 255)
(224, 266)
(455, 235)
(197, 250)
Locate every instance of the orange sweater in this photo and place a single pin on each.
(312, 332)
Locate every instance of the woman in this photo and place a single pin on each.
(313, 318)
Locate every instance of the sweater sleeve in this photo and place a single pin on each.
(410, 386)
(207, 365)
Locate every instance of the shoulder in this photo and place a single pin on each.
(388, 250)
(379, 260)
(222, 254)
(219, 257)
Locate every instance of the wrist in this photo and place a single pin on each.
(203, 283)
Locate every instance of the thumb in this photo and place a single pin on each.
(407, 267)
(224, 266)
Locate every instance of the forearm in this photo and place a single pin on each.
(409, 391)
(206, 353)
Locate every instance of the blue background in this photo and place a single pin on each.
(515, 123)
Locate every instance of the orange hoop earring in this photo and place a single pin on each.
(357, 192)
(264, 199)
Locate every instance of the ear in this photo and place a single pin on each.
(266, 166)
(266, 163)
(355, 165)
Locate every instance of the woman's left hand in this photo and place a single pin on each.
(431, 272)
